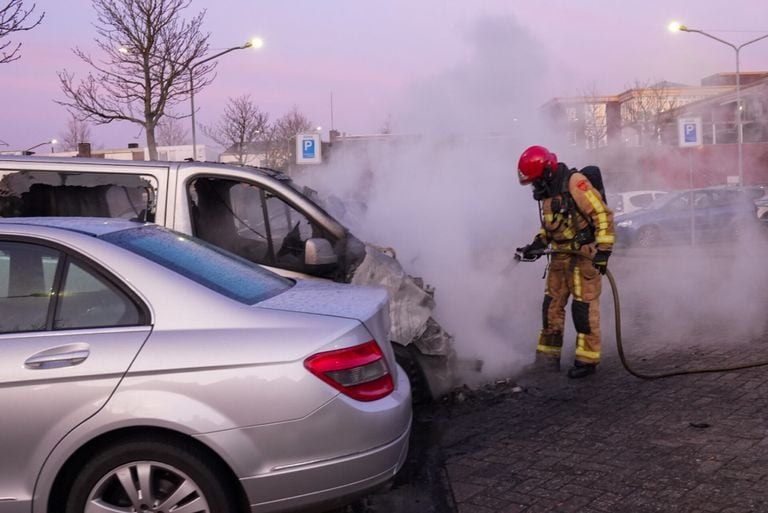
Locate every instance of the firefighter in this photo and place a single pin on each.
(574, 217)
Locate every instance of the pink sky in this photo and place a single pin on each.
(372, 54)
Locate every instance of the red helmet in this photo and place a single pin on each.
(533, 162)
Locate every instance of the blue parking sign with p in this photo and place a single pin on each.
(308, 148)
(689, 131)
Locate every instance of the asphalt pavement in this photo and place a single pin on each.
(613, 443)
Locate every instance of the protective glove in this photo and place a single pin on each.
(532, 251)
(600, 260)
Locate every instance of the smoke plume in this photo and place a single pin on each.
(443, 191)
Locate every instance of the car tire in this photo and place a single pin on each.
(175, 473)
(647, 237)
(420, 391)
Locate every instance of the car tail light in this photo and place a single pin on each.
(361, 372)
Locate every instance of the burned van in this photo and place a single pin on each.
(256, 213)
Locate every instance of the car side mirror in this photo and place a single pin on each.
(319, 251)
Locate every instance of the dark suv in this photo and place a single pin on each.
(690, 216)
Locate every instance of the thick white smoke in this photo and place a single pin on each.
(496, 89)
(443, 192)
(679, 297)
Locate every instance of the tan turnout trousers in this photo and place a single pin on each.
(570, 275)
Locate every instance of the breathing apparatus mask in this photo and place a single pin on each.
(544, 187)
(541, 190)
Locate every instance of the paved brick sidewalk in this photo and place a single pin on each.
(612, 442)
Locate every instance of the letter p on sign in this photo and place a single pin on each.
(308, 150)
(690, 132)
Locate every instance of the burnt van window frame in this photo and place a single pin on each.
(270, 257)
(44, 193)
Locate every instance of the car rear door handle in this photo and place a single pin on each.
(52, 359)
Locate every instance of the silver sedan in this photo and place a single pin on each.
(143, 370)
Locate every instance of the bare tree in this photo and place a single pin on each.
(14, 18)
(148, 53)
(595, 120)
(644, 112)
(170, 131)
(242, 123)
(282, 136)
(77, 131)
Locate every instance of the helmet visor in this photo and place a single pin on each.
(524, 180)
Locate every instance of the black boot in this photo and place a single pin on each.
(581, 370)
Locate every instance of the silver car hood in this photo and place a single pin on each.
(368, 305)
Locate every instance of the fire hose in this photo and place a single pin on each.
(617, 316)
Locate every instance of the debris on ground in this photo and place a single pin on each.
(490, 393)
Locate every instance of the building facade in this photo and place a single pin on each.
(634, 117)
(719, 115)
(634, 135)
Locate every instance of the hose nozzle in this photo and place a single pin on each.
(528, 256)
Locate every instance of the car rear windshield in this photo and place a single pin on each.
(223, 272)
(662, 200)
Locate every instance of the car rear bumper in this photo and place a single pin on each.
(328, 483)
(344, 449)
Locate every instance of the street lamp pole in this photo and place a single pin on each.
(28, 151)
(253, 43)
(674, 26)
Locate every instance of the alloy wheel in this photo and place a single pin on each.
(146, 487)
(647, 237)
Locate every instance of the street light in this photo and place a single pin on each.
(28, 151)
(253, 43)
(677, 27)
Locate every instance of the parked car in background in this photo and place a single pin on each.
(759, 194)
(699, 215)
(145, 370)
(755, 192)
(626, 202)
(258, 214)
(762, 208)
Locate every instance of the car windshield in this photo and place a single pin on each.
(219, 270)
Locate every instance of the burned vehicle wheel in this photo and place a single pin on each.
(408, 359)
(647, 237)
(150, 476)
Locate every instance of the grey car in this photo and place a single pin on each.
(145, 370)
